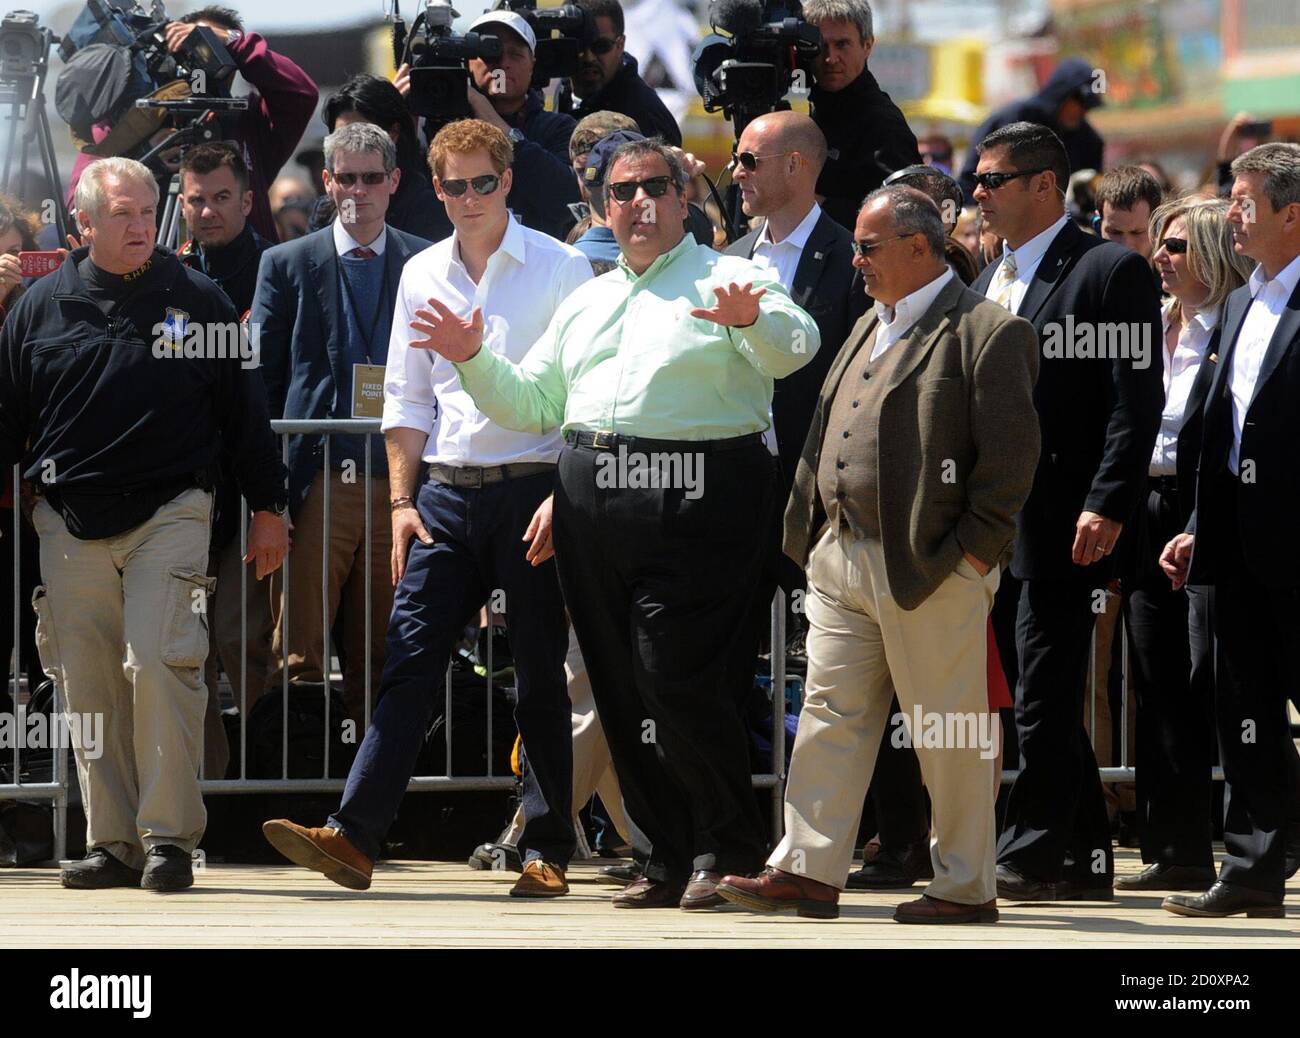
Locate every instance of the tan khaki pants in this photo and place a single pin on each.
(593, 767)
(862, 647)
(122, 628)
(308, 618)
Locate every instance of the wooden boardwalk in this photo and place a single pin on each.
(441, 905)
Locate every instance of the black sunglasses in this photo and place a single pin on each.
(625, 190)
(865, 248)
(602, 45)
(369, 179)
(993, 181)
(750, 161)
(1174, 246)
(484, 184)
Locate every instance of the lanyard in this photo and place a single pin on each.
(367, 339)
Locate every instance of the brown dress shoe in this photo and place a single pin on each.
(927, 909)
(702, 891)
(774, 890)
(540, 879)
(649, 893)
(326, 851)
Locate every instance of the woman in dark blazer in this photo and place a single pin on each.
(1167, 630)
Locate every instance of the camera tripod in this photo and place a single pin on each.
(23, 96)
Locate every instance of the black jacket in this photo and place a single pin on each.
(543, 183)
(1098, 417)
(822, 287)
(1268, 500)
(868, 139)
(628, 94)
(233, 267)
(85, 396)
(1084, 145)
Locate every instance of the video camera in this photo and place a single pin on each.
(439, 60)
(562, 35)
(24, 46)
(768, 51)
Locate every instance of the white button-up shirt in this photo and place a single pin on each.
(345, 243)
(897, 321)
(1180, 373)
(528, 276)
(1028, 258)
(1268, 301)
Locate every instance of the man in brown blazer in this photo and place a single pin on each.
(922, 450)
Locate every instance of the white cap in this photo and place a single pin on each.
(511, 21)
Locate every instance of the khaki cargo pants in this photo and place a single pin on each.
(122, 629)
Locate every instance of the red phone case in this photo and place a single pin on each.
(38, 264)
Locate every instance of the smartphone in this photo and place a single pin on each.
(1259, 128)
(38, 264)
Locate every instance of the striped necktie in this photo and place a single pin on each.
(361, 252)
(1004, 281)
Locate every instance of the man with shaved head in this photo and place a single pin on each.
(922, 450)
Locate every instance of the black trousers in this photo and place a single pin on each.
(1174, 693)
(1256, 656)
(1056, 811)
(659, 586)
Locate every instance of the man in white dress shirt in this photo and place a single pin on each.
(481, 522)
(1240, 540)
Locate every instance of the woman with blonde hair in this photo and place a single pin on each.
(1168, 630)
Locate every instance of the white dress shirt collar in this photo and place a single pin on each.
(345, 243)
(1287, 279)
(512, 245)
(1031, 253)
(897, 321)
(798, 238)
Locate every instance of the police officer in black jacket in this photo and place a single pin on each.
(608, 79)
(216, 202)
(867, 135)
(120, 383)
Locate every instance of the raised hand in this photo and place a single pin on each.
(737, 306)
(447, 334)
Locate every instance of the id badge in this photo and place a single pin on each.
(367, 391)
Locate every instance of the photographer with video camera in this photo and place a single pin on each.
(269, 130)
(866, 133)
(608, 80)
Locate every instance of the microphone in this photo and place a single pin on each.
(737, 17)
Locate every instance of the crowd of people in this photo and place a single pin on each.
(964, 418)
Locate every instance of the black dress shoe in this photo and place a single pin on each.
(1168, 877)
(891, 870)
(1012, 886)
(1225, 899)
(167, 867)
(98, 870)
(650, 893)
(499, 856)
(621, 874)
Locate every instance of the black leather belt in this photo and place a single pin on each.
(476, 476)
(1163, 484)
(608, 441)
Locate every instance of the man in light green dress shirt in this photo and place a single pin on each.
(660, 374)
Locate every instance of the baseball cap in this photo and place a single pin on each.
(602, 153)
(511, 21)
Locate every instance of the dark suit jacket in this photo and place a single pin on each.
(964, 394)
(298, 305)
(822, 286)
(1268, 500)
(1099, 417)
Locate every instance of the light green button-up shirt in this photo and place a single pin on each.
(623, 354)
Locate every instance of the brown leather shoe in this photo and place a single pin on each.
(774, 890)
(540, 879)
(326, 851)
(702, 891)
(927, 909)
(649, 893)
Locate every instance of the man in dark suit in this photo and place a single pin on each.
(324, 306)
(1099, 398)
(1240, 535)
